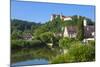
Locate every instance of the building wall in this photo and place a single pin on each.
(65, 32)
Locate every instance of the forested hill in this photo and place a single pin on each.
(23, 25)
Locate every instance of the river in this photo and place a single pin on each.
(31, 62)
(33, 57)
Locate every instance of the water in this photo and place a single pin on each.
(31, 62)
(29, 57)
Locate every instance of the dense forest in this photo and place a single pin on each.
(44, 34)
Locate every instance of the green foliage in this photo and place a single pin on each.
(19, 44)
(41, 30)
(80, 34)
(82, 52)
(66, 58)
(69, 23)
(65, 43)
(23, 25)
(90, 22)
(46, 37)
(75, 19)
(56, 25)
(19, 27)
(76, 53)
(56, 41)
(72, 22)
(16, 34)
(92, 43)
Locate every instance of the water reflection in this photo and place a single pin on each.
(31, 62)
(33, 56)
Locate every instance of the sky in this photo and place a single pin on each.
(41, 12)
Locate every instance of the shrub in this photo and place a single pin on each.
(76, 53)
(92, 43)
(18, 44)
(66, 58)
(46, 37)
(65, 43)
(37, 43)
(82, 52)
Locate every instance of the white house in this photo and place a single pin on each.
(70, 31)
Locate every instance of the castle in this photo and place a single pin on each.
(62, 17)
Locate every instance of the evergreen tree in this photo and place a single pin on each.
(80, 34)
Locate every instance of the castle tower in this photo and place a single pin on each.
(53, 16)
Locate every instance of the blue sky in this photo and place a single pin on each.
(41, 12)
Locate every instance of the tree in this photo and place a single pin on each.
(72, 22)
(56, 25)
(23, 25)
(65, 43)
(89, 21)
(40, 30)
(46, 37)
(80, 34)
(16, 34)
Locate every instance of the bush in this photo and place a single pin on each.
(46, 37)
(65, 43)
(92, 43)
(66, 58)
(37, 43)
(82, 52)
(76, 53)
(18, 44)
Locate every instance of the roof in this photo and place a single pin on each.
(72, 29)
(61, 15)
(65, 16)
(27, 35)
(88, 30)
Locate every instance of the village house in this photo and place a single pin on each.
(89, 31)
(70, 31)
(27, 36)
